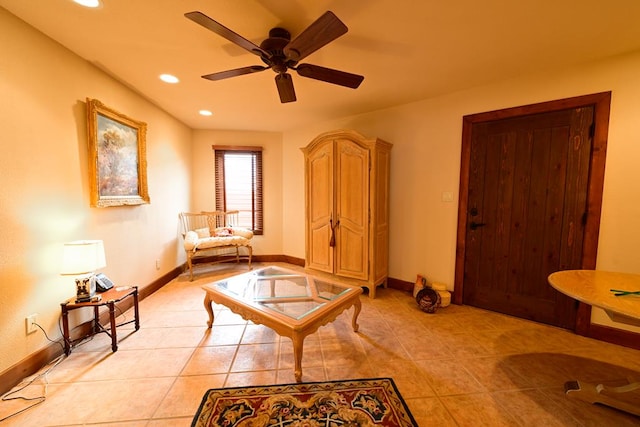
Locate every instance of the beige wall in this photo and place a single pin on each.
(44, 184)
(426, 162)
(203, 190)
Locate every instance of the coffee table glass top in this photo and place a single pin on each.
(287, 292)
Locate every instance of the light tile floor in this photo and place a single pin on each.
(461, 366)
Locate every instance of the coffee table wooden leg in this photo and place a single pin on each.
(209, 308)
(297, 356)
(357, 306)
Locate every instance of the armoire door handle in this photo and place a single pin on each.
(332, 240)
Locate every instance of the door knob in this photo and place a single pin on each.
(475, 225)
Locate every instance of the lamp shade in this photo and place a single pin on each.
(83, 256)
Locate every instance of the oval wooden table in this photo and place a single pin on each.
(594, 287)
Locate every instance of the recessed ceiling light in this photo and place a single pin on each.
(168, 78)
(88, 3)
(205, 113)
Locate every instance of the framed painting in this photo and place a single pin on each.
(117, 157)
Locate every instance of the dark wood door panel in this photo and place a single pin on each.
(526, 200)
(522, 231)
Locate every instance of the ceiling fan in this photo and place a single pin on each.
(281, 54)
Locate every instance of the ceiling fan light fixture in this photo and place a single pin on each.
(88, 3)
(169, 78)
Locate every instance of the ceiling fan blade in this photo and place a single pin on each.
(324, 30)
(284, 82)
(330, 75)
(221, 30)
(235, 72)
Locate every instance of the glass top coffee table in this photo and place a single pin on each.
(292, 303)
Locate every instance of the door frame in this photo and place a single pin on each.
(601, 103)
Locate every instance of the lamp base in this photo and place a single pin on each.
(85, 288)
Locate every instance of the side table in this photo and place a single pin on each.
(594, 287)
(109, 299)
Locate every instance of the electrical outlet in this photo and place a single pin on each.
(157, 264)
(29, 323)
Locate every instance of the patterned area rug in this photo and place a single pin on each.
(347, 403)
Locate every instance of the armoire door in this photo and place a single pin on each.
(352, 210)
(347, 207)
(320, 208)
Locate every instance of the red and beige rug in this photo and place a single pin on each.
(347, 403)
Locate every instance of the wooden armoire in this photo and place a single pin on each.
(347, 207)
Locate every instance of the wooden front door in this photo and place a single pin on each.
(528, 184)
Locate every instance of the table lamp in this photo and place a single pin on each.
(82, 258)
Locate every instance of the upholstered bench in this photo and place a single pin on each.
(214, 233)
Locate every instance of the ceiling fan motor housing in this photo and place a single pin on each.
(278, 39)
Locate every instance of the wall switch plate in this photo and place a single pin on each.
(29, 323)
(447, 196)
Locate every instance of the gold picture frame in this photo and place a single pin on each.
(117, 157)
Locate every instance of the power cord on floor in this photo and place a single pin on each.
(38, 399)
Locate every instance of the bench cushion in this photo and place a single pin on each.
(240, 237)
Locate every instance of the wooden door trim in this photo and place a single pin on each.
(601, 103)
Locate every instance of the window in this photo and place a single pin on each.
(238, 175)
